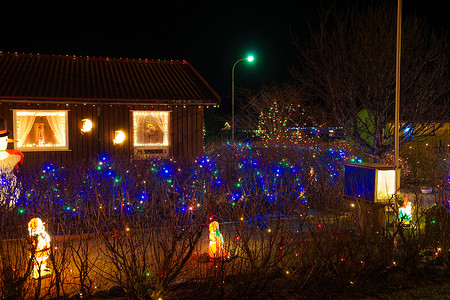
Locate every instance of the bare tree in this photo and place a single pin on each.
(349, 64)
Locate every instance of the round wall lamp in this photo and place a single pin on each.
(86, 125)
(119, 137)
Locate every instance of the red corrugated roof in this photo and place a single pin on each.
(71, 78)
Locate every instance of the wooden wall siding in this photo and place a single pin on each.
(186, 127)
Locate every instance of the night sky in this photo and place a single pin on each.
(211, 35)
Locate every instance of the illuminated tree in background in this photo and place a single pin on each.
(279, 126)
(278, 116)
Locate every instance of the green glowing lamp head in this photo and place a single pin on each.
(250, 58)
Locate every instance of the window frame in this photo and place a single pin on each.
(41, 112)
(147, 151)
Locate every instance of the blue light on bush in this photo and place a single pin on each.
(166, 171)
(278, 171)
(236, 196)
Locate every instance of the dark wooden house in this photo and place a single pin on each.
(155, 107)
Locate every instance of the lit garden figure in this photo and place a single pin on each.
(404, 211)
(215, 241)
(40, 247)
(9, 159)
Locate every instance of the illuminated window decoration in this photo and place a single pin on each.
(40, 248)
(86, 125)
(151, 132)
(41, 130)
(215, 241)
(119, 137)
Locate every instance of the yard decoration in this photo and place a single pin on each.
(371, 182)
(40, 248)
(9, 160)
(404, 211)
(215, 241)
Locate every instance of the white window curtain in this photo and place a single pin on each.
(139, 122)
(57, 125)
(26, 123)
(158, 118)
(162, 121)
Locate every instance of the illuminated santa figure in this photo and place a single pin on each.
(40, 247)
(10, 159)
(215, 241)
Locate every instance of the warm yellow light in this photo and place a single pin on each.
(119, 138)
(87, 125)
(152, 118)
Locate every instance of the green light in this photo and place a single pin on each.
(250, 58)
(21, 210)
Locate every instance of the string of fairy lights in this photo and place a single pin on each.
(240, 173)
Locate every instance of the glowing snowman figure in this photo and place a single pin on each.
(215, 241)
(9, 159)
(40, 248)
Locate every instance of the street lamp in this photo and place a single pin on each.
(250, 59)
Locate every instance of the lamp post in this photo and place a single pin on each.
(250, 59)
(397, 116)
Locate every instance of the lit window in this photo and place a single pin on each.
(151, 133)
(40, 130)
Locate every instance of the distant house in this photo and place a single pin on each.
(50, 102)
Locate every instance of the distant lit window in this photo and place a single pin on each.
(151, 133)
(40, 130)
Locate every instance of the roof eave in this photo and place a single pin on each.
(65, 100)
